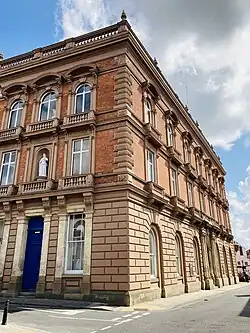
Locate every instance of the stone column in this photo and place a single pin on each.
(215, 260)
(41, 284)
(60, 255)
(206, 270)
(3, 249)
(19, 255)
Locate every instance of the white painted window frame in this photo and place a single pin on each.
(18, 110)
(9, 163)
(80, 152)
(150, 166)
(84, 94)
(49, 102)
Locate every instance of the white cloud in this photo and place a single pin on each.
(209, 52)
(240, 211)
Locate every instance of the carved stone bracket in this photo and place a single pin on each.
(46, 203)
(61, 202)
(20, 206)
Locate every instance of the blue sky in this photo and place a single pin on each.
(206, 52)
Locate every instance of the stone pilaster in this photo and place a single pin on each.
(215, 259)
(207, 278)
(3, 248)
(19, 255)
(63, 218)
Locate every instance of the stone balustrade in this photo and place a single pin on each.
(10, 133)
(43, 125)
(75, 182)
(79, 118)
(36, 186)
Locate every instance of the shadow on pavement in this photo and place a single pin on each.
(18, 305)
(246, 311)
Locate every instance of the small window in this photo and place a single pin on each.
(153, 254)
(198, 165)
(238, 263)
(75, 243)
(151, 166)
(178, 255)
(170, 135)
(148, 112)
(8, 168)
(203, 204)
(80, 157)
(187, 154)
(15, 114)
(173, 182)
(48, 107)
(190, 194)
(196, 257)
(83, 99)
(241, 251)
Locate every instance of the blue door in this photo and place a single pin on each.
(32, 254)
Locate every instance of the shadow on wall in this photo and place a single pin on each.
(246, 311)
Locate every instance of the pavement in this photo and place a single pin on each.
(225, 310)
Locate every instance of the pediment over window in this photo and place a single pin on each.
(82, 70)
(150, 90)
(47, 79)
(14, 89)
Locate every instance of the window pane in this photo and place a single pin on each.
(11, 174)
(85, 144)
(52, 110)
(77, 146)
(13, 116)
(80, 90)
(74, 260)
(87, 102)
(85, 162)
(76, 164)
(6, 158)
(44, 112)
(19, 116)
(4, 175)
(13, 157)
(79, 102)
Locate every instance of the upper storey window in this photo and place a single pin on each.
(48, 107)
(8, 168)
(15, 114)
(148, 112)
(83, 99)
(170, 135)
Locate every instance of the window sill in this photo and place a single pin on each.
(73, 274)
(154, 280)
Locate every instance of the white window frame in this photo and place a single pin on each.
(170, 135)
(190, 194)
(150, 166)
(18, 110)
(83, 100)
(178, 256)
(9, 163)
(174, 182)
(153, 255)
(148, 112)
(68, 242)
(49, 102)
(198, 165)
(81, 153)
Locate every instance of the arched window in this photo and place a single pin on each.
(153, 254)
(48, 107)
(15, 114)
(178, 255)
(148, 113)
(196, 257)
(170, 135)
(83, 99)
(75, 243)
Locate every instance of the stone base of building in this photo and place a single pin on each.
(14, 286)
(193, 286)
(219, 282)
(231, 280)
(41, 287)
(209, 284)
(225, 281)
(175, 289)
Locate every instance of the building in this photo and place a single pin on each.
(242, 259)
(109, 190)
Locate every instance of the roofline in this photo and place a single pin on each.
(49, 52)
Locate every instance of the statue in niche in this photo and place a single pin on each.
(43, 167)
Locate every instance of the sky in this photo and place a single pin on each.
(201, 46)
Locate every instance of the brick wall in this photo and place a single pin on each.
(104, 159)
